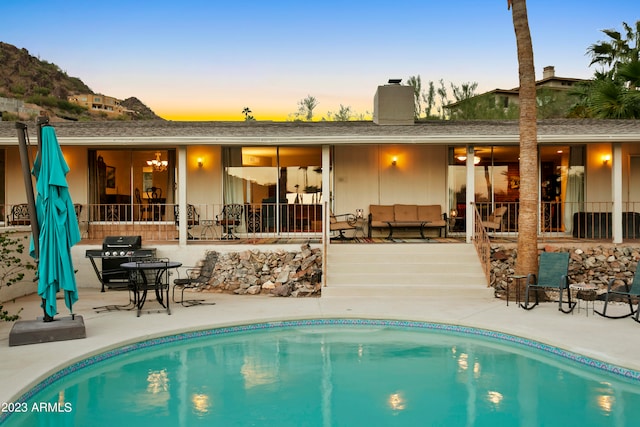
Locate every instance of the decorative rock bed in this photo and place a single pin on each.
(281, 273)
(595, 265)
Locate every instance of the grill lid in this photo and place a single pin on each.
(129, 242)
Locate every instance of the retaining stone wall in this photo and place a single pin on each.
(281, 273)
(593, 265)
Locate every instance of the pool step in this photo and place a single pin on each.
(404, 270)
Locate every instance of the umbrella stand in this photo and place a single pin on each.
(28, 184)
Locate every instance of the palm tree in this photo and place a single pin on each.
(613, 93)
(247, 114)
(618, 50)
(527, 261)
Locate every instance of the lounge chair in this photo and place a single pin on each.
(196, 277)
(345, 223)
(553, 269)
(494, 221)
(626, 293)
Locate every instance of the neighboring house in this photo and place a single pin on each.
(282, 173)
(99, 103)
(506, 98)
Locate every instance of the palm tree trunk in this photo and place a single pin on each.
(527, 261)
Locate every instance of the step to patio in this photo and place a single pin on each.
(427, 270)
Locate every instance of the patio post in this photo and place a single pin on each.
(182, 195)
(616, 192)
(471, 194)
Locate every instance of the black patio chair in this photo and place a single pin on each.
(157, 203)
(229, 219)
(196, 277)
(625, 293)
(553, 270)
(193, 218)
(143, 210)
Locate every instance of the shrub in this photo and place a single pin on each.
(12, 265)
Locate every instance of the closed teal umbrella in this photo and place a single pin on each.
(58, 226)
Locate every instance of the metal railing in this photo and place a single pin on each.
(578, 220)
(482, 244)
(204, 221)
(586, 220)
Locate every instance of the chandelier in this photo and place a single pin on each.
(157, 164)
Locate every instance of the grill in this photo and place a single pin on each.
(115, 251)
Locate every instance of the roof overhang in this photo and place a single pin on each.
(333, 140)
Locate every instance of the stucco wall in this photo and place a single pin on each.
(598, 175)
(204, 183)
(365, 175)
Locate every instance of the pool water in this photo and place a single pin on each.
(335, 373)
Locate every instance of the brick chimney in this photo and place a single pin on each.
(548, 72)
(393, 104)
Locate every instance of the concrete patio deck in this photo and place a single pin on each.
(24, 366)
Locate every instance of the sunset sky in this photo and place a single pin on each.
(209, 59)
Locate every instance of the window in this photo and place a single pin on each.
(120, 182)
(280, 187)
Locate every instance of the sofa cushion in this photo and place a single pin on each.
(430, 213)
(404, 213)
(381, 213)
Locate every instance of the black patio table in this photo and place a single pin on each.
(158, 271)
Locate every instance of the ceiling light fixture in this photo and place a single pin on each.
(476, 159)
(157, 164)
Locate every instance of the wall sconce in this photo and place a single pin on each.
(394, 161)
(359, 213)
(606, 158)
(200, 162)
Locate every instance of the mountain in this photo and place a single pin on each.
(46, 86)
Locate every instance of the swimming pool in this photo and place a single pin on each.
(334, 372)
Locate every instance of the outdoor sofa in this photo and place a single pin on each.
(397, 216)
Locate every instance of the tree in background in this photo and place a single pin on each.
(247, 114)
(429, 98)
(527, 261)
(306, 107)
(343, 115)
(464, 91)
(444, 100)
(416, 83)
(613, 92)
(482, 107)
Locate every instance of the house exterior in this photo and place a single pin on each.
(585, 166)
(140, 177)
(506, 98)
(100, 104)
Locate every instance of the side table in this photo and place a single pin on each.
(515, 279)
(207, 227)
(360, 225)
(585, 292)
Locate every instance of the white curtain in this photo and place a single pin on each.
(574, 200)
